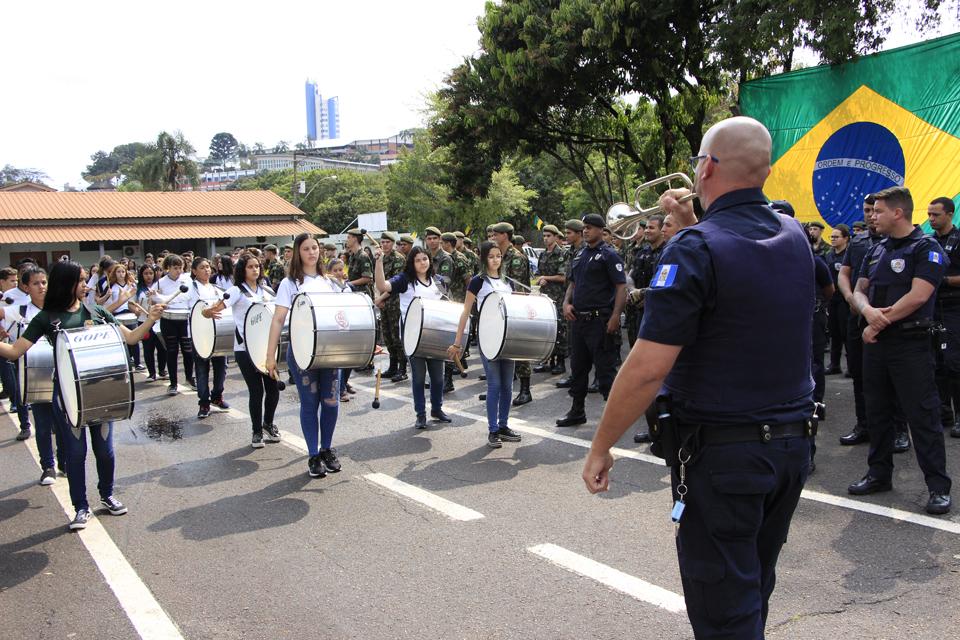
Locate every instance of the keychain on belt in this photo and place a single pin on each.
(679, 505)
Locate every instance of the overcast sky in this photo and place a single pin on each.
(84, 76)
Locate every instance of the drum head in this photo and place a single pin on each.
(67, 379)
(303, 324)
(256, 333)
(202, 330)
(492, 326)
(412, 324)
(23, 379)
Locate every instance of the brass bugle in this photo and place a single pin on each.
(624, 221)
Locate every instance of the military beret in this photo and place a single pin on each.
(817, 223)
(489, 228)
(549, 228)
(289, 245)
(329, 246)
(459, 234)
(448, 236)
(467, 241)
(355, 232)
(270, 247)
(594, 220)
(518, 239)
(389, 235)
(859, 224)
(431, 231)
(502, 227)
(573, 225)
(406, 238)
(783, 207)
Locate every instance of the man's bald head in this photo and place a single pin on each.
(739, 158)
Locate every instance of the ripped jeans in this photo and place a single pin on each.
(319, 391)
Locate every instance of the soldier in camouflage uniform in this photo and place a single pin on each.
(459, 279)
(465, 246)
(632, 249)
(273, 269)
(573, 230)
(516, 267)
(551, 272)
(393, 263)
(468, 253)
(443, 269)
(359, 269)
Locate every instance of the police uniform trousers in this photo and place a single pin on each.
(900, 366)
(947, 350)
(854, 346)
(390, 325)
(738, 509)
(591, 345)
(839, 314)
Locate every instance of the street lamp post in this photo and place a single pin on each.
(296, 203)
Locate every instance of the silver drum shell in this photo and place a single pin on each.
(211, 338)
(332, 330)
(35, 370)
(517, 327)
(256, 335)
(93, 371)
(430, 327)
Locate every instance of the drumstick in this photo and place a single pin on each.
(376, 393)
(183, 289)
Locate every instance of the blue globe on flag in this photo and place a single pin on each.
(859, 159)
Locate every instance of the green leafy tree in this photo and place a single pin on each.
(223, 148)
(10, 174)
(168, 166)
(281, 147)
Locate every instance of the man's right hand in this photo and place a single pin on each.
(568, 312)
(682, 212)
(876, 318)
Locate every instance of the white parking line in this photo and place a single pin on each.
(450, 509)
(613, 578)
(879, 510)
(145, 613)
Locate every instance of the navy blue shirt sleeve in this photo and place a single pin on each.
(476, 283)
(681, 290)
(398, 283)
(615, 267)
(931, 263)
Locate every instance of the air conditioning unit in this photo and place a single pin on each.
(130, 250)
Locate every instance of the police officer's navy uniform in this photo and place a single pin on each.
(838, 312)
(746, 414)
(900, 364)
(947, 341)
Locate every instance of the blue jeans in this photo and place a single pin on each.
(201, 368)
(499, 391)
(319, 391)
(75, 440)
(47, 427)
(418, 376)
(11, 384)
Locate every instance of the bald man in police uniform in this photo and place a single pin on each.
(743, 416)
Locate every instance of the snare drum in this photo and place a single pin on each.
(35, 371)
(127, 319)
(176, 314)
(517, 327)
(430, 327)
(93, 373)
(256, 334)
(211, 337)
(332, 330)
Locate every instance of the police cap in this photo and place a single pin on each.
(783, 207)
(573, 225)
(594, 220)
(406, 238)
(549, 228)
(431, 231)
(449, 237)
(389, 235)
(502, 227)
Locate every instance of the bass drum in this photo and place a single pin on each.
(256, 334)
(127, 319)
(430, 327)
(516, 326)
(211, 337)
(332, 330)
(93, 372)
(35, 371)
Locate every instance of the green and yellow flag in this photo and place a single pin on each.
(538, 222)
(842, 132)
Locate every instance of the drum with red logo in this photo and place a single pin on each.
(332, 330)
(516, 326)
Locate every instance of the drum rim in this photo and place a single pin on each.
(76, 378)
(313, 321)
(246, 343)
(415, 301)
(480, 316)
(213, 345)
(22, 377)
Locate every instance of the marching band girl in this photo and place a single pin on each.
(154, 353)
(122, 295)
(175, 332)
(201, 289)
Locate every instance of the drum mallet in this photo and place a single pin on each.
(376, 393)
(183, 289)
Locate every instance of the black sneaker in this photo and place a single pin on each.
(192, 383)
(493, 440)
(163, 375)
(257, 441)
(221, 405)
(204, 411)
(114, 506)
(151, 378)
(315, 467)
(80, 520)
(508, 435)
(330, 460)
(172, 390)
(48, 477)
(24, 434)
(271, 433)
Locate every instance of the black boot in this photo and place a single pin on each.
(544, 366)
(401, 371)
(392, 371)
(575, 416)
(524, 396)
(559, 366)
(448, 381)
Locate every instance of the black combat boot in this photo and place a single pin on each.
(448, 380)
(575, 416)
(401, 370)
(559, 366)
(524, 396)
(544, 366)
(392, 371)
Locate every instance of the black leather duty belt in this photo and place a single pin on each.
(734, 433)
(596, 313)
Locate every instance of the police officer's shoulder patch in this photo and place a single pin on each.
(664, 276)
(934, 256)
(619, 266)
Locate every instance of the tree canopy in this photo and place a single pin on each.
(223, 148)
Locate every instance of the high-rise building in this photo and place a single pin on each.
(323, 117)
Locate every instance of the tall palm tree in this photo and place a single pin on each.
(176, 167)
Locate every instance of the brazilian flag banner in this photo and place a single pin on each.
(842, 132)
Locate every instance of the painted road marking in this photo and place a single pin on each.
(613, 578)
(143, 610)
(450, 509)
(879, 510)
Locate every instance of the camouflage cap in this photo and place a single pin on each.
(459, 234)
(389, 235)
(431, 231)
(549, 228)
(518, 239)
(449, 237)
(502, 227)
(355, 232)
(573, 225)
(489, 228)
(329, 246)
(467, 241)
(407, 238)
